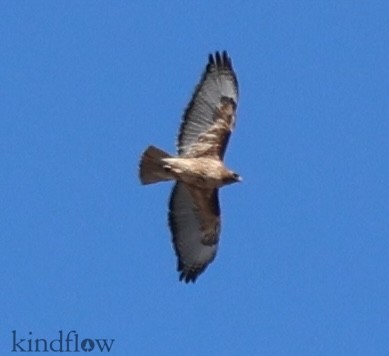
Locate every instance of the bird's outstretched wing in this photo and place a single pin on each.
(194, 220)
(210, 116)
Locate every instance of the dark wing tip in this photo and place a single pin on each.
(220, 60)
(189, 275)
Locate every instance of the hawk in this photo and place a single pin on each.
(198, 169)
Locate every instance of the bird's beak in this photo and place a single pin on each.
(240, 179)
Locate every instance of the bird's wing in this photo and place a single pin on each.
(194, 220)
(210, 116)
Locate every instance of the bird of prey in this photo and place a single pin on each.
(198, 169)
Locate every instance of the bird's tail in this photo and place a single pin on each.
(151, 168)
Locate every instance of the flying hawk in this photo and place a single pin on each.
(198, 169)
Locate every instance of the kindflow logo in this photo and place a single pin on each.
(65, 342)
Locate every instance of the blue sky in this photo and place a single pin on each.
(303, 263)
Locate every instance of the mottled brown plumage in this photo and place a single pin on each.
(194, 212)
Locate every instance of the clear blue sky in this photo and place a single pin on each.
(303, 265)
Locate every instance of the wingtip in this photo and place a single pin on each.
(188, 277)
(211, 59)
(220, 59)
(186, 274)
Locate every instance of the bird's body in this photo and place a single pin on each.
(194, 212)
(201, 172)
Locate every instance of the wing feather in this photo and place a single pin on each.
(210, 115)
(194, 220)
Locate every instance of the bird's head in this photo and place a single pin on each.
(232, 177)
